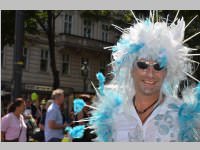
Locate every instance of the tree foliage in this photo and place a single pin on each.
(35, 20)
(7, 27)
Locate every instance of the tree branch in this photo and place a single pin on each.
(42, 25)
(58, 14)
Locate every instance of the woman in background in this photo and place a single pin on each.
(13, 127)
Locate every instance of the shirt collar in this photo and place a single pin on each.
(56, 105)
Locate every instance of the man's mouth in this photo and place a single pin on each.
(149, 82)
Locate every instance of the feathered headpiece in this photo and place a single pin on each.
(159, 41)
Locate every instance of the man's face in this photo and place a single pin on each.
(61, 99)
(148, 81)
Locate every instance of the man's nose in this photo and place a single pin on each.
(150, 71)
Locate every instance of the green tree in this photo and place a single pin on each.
(7, 27)
(46, 20)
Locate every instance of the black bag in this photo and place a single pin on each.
(14, 140)
(39, 136)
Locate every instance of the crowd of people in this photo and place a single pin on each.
(41, 121)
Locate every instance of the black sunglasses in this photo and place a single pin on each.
(144, 65)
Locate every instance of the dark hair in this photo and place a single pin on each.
(86, 98)
(12, 107)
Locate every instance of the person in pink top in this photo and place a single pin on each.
(13, 127)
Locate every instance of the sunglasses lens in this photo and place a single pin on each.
(158, 67)
(142, 65)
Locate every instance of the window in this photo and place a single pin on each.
(87, 28)
(104, 32)
(25, 58)
(68, 24)
(44, 60)
(65, 64)
(2, 57)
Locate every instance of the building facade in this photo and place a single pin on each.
(78, 40)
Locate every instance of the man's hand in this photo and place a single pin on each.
(65, 125)
(52, 124)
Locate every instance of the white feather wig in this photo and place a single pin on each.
(159, 41)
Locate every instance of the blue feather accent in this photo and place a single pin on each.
(189, 116)
(126, 44)
(162, 59)
(76, 132)
(79, 104)
(114, 49)
(68, 129)
(118, 101)
(104, 133)
(147, 22)
(101, 79)
(167, 88)
(198, 92)
(174, 107)
(134, 48)
(123, 41)
(104, 115)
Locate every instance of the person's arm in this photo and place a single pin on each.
(42, 122)
(52, 124)
(2, 136)
(50, 119)
(27, 116)
(41, 126)
(5, 122)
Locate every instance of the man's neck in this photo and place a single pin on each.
(145, 104)
(143, 101)
(57, 103)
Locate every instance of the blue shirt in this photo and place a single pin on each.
(53, 113)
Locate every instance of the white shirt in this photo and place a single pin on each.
(161, 126)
